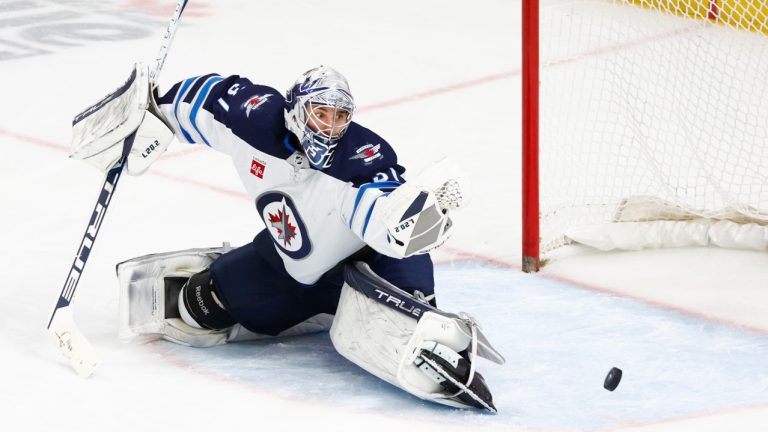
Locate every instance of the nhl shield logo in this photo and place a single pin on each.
(284, 224)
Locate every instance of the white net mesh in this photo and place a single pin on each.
(655, 99)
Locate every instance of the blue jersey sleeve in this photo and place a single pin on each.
(209, 109)
(370, 164)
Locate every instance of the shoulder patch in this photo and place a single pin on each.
(258, 167)
(368, 153)
(254, 102)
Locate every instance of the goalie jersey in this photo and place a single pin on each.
(316, 218)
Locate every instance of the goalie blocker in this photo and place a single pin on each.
(388, 332)
(98, 132)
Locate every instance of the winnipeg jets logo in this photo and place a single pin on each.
(284, 224)
(368, 153)
(254, 103)
(281, 222)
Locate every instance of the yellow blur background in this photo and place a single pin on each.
(749, 15)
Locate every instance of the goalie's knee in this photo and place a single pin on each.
(200, 303)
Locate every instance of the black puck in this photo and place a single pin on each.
(612, 379)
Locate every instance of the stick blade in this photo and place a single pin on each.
(72, 344)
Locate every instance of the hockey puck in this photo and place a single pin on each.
(612, 379)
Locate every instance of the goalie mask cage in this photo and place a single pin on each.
(643, 115)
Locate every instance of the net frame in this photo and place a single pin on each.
(708, 20)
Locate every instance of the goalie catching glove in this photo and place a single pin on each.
(99, 134)
(417, 213)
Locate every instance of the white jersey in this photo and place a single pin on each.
(316, 218)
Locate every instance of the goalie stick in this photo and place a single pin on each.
(61, 326)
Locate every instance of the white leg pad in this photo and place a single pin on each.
(369, 335)
(142, 297)
(436, 328)
(385, 342)
(177, 331)
(142, 302)
(318, 323)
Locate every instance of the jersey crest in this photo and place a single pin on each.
(284, 224)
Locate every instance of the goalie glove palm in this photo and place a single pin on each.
(416, 222)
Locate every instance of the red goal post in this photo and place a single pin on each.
(645, 124)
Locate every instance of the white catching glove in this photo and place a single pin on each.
(99, 131)
(416, 214)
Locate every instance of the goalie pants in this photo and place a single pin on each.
(260, 294)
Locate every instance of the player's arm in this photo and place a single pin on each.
(187, 106)
(401, 219)
(211, 109)
(196, 110)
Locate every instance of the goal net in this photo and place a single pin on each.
(649, 126)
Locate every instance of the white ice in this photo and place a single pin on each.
(688, 327)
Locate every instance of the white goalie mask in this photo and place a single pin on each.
(318, 110)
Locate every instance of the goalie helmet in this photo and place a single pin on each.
(318, 110)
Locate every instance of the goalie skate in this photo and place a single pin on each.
(452, 370)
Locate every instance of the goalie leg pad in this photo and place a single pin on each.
(438, 349)
(454, 372)
(149, 292)
(383, 329)
(374, 338)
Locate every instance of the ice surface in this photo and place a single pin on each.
(688, 327)
(559, 343)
